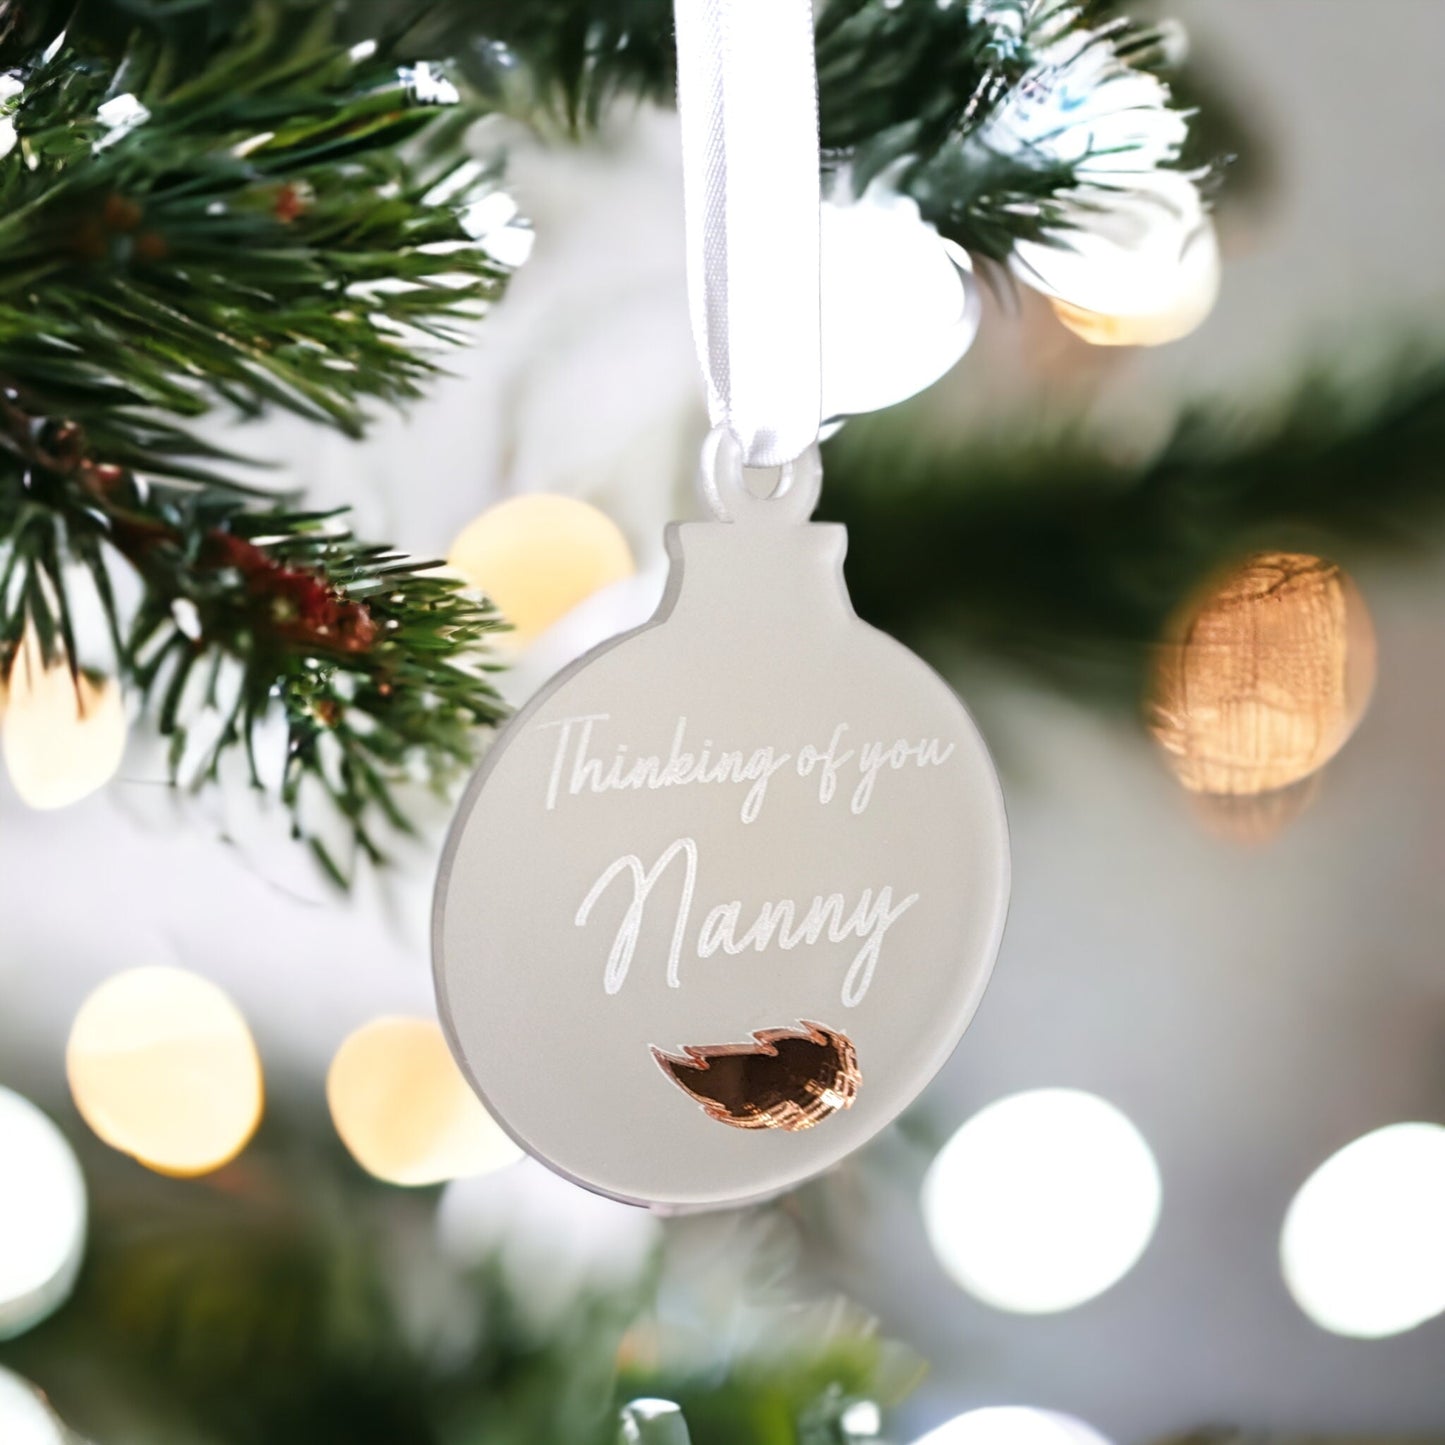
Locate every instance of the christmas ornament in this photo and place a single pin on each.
(42, 1216)
(404, 1112)
(537, 556)
(64, 732)
(162, 1067)
(724, 895)
(1262, 681)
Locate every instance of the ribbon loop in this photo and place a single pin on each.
(747, 95)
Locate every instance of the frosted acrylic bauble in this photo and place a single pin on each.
(723, 897)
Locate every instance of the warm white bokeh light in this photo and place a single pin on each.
(42, 1215)
(64, 734)
(25, 1418)
(1183, 309)
(1042, 1201)
(1013, 1425)
(1261, 677)
(538, 555)
(163, 1067)
(1363, 1246)
(1141, 266)
(404, 1110)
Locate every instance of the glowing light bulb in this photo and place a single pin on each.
(537, 556)
(1042, 1201)
(403, 1109)
(1181, 308)
(1138, 267)
(42, 1215)
(1261, 680)
(64, 734)
(1363, 1244)
(25, 1418)
(162, 1067)
(1013, 1425)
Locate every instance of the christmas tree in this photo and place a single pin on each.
(214, 214)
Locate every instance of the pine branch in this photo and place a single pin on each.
(241, 226)
(1066, 560)
(227, 206)
(908, 89)
(550, 62)
(251, 614)
(997, 139)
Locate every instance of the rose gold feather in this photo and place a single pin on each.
(786, 1078)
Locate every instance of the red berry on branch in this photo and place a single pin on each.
(291, 201)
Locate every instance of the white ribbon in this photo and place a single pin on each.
(747, 93)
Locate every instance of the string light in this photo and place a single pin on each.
(1261, 681)
(1141, 267)
(1180, 309)
(42, 1215)
(1042, 1201)
(403, 1109)
(64, 733)
(537, 556)
(1363, 1247)
(1013, 1425)
(162, 1067)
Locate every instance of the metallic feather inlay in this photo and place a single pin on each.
(783, 1078)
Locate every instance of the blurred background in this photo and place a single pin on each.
(1206, 992)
